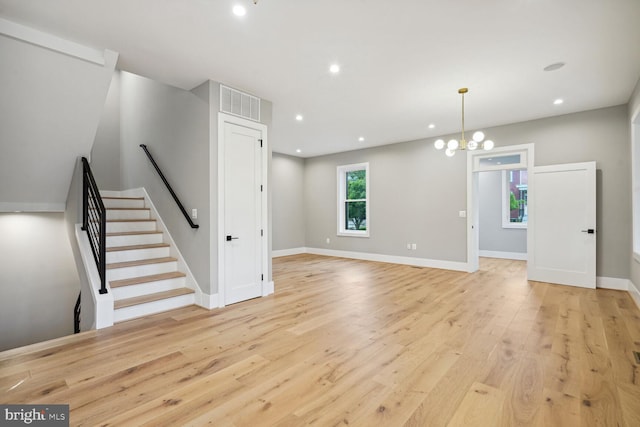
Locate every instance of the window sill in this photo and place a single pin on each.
(353, 234)
(515, 225)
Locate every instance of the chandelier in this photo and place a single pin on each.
(454, 145)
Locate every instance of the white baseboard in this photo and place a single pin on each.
(504, 255)
(635, 293)
(612, 283)
(207, 301)
(392, 259)
(287, 252)
(268, 288)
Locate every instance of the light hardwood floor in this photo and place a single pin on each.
(345, 342)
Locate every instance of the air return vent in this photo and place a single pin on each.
(238, 103)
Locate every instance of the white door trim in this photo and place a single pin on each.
(473, 202)
(218, 207)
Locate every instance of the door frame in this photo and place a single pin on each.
(217, 203)
(473, 203)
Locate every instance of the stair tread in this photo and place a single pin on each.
(122, 198)
(134, 247)
(140, 262)
(130, 220)
(146, 279)
(132, 233)
(126, 209)
(128, 302)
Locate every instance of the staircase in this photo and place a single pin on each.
(143, 276)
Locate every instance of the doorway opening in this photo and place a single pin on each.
(498, 193)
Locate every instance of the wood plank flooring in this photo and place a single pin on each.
(346, 342)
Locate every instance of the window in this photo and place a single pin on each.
(514, 198)
(353, 200)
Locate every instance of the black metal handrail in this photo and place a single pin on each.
(76, 315)
(94, 221)
(182, 209)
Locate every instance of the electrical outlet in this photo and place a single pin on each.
(328, 240)
(408, 246)
(414, 246)
(462, 214)
(194, 213)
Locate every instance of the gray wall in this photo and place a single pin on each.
(415, 195)
(105, 154)
(288, 202)
(492, 236)
(634, 112)
(50, 106)
(38, 279)
(175, 126)
(416, 192)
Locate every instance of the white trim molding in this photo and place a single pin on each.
(635, 293)
(392, 259)
(288, 252)
(56, 44)
(612, 283)
(521, 256)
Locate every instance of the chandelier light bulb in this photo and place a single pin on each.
(449, 152)
(472, 145)
(488, 145)
(452, 144)
(478, 136)
(439, 144)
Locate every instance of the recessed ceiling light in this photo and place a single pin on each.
(554, 66)
(361, 139)
(239, 10)
(299, 117)
(334, 68)
(431, 126)
(558, 101)
(298, 151)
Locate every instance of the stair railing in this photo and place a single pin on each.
(94, 221)
(173, 194)
(76, 315)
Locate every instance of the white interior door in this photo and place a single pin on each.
(242, 234)
(562, 222)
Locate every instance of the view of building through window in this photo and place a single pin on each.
(517, 193)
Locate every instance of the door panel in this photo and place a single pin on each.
(243, 210)
(564, 209)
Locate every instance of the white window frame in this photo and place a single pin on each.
(342, 198)
(506, 202)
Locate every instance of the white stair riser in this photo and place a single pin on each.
(120, 227)
(132, 291)
(146, 309)
(123, 203)
(128, 214)
(137, 254)
(141, 270)
(134, 239)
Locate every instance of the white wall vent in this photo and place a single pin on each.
(238, 103)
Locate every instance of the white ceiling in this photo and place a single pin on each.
(402, 62)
